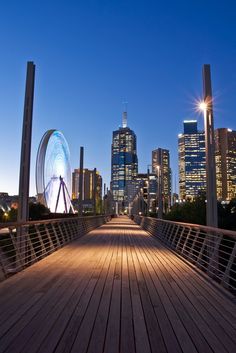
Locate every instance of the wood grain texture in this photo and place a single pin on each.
(117, 289)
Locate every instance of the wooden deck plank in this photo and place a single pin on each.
(209, 335)
(216, 322)
(127, 342)
(35, 281)
(17, 279)
(98, 335)
(201, 288)
(182, 334)
(82, 339)
(119, 290)
(167, 331)
(42, 283)
(153, 329)
(33, 320)
(68, 338)
(140, 330)
(112, 339)
(207, 286)
(74, 290)
(215, 319)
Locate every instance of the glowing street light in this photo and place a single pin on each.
(159, 192)
(206, 107)
(202, 106)
(148, 189)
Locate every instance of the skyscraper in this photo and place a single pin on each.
(192, 161)
(161, 158)
(124, 162)
(225, 157)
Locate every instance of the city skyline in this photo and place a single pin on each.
(82, 95)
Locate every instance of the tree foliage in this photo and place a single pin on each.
(1, 215)
(37, 211)
(195, 212)
(227, 215)
(189, 212)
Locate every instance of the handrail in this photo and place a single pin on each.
(213, 250)
(23, 244)
(206, 228)
(51, 220)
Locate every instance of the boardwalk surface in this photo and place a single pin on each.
(119, 290)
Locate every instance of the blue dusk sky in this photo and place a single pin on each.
(90, 55)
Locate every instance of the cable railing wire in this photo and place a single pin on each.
(22, 244)
(213, 250)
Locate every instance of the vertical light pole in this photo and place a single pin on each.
(141, 205)
(148, 189)
(23, 207)
(207, 107)
(24, 181)
(104, 199)
(81, 179)
(94, 190)
(159, 192)
(160, 204)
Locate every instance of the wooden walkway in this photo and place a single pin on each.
(119, 290)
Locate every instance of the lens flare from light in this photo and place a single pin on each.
(202, 106)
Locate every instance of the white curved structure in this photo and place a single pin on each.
(53, 172)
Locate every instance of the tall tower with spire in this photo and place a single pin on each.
(124, 162)
(124, 119)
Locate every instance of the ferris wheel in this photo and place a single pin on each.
(53, 173)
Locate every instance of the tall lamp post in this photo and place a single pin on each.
(148, 189)
(159, 192)
(81, 181)
(207, 107)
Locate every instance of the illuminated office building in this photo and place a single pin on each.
(192, 163)
(161, 158)
(124, 162)
(88, 188)
(147, 187)
(225, 156)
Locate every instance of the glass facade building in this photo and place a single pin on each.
(225, 157)
(161, 157)
(124, 162)
(192, 161)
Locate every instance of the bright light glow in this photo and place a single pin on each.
(180, 135)
(229, 130)
(202, 106)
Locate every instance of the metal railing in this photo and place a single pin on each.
(22, 244)
(213, 250)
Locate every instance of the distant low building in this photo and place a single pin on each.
(89, 185)
(7, 202)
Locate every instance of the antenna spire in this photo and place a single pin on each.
(124, 115)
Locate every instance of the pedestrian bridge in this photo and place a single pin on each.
(115, 289)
